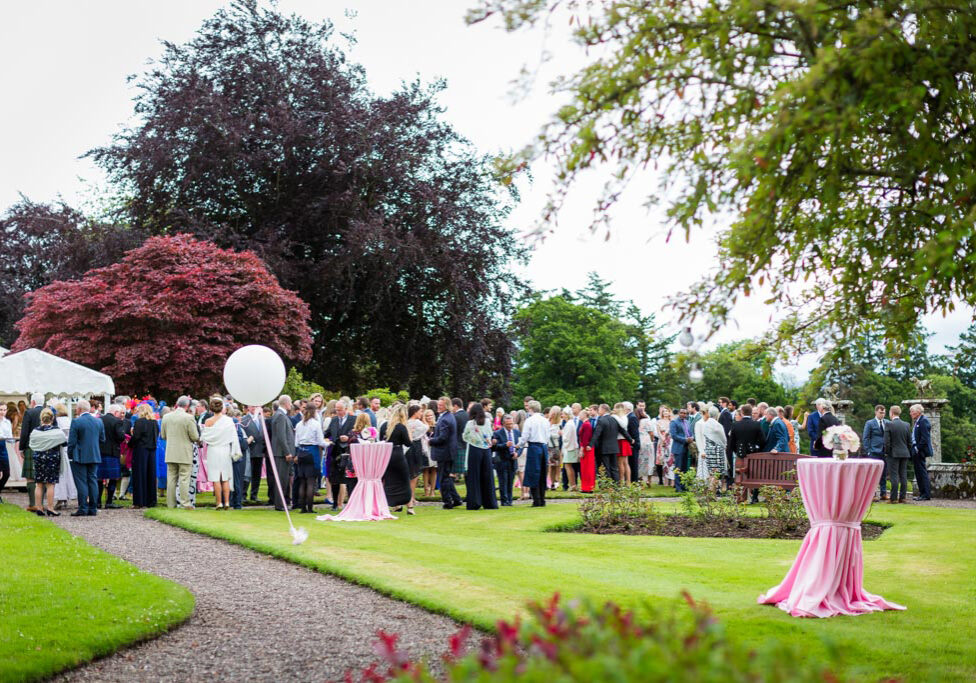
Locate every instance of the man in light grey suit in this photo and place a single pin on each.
(283, 446)
(897, 450)
(180, 432)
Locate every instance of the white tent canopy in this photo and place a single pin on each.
(33, 370)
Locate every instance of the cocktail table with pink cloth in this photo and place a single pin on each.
(827, 576)
(367, 503)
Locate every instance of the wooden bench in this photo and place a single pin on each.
(766, 469)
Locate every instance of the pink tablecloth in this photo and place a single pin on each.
(826, 578)
(368, 500)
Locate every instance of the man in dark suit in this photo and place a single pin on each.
(898, 451)
(633, 431)
(746, 437)
(443, 450)
(283, 450)
(503, 446)
(604, 442)
(460, 421)
(257, 449)
(340, 427)
(921, 449)
(115, 430)
(827, 420)
(32, 420)
(85, 452)
(873, 442)
(681, 434)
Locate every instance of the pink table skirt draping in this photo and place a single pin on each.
(203, 482)
(827, 576)
(368, 500)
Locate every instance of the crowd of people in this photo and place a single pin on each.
(143, 448)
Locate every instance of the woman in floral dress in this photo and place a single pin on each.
(663, 460)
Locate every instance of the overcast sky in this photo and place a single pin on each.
(63, 75)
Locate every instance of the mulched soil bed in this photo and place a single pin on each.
(680, 525)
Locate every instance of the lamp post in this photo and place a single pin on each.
(688, 340)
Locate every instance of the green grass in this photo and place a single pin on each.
(482, 566)
(64, 602)
(206, 498)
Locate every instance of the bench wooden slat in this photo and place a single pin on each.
(766, 469)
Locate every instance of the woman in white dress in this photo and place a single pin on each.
(430, 471)
(710, 438)
(7, 455)
(571, 454)
(65, 489)
(223, 448)
(645, 460)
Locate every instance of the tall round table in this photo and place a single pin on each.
(367, 503)
(827, 576)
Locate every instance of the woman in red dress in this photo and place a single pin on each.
(623, 442)
(587, 457)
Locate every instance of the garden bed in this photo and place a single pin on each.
(707, 512)
(690, 527)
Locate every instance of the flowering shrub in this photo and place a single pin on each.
(581, 642)
(619, 506)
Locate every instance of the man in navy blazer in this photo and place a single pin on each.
(873, 441)
(85, 452)
(813, 428)
(921, 449)
(443, 448)
(681, 434)
(504, 451)
(778, 438)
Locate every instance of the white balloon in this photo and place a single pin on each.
(254, 375)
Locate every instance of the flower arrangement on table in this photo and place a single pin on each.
(842, 440)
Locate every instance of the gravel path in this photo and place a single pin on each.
(256, 618)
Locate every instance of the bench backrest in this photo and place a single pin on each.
(760, 469)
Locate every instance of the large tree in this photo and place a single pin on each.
(572, 352)
(166, 317)
(259, 133)
(837, 139)
(42, 243)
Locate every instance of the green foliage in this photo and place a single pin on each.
(65, 603)
(734, 370)
(962, 357)
(487, 552)
(581, 642)
(617, 507)
(838, 137)
(572, 352)
(784, 508)
(298, 387)
(958, 416)
(387, 396)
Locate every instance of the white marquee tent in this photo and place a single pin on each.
(26, 372)
(33, 370)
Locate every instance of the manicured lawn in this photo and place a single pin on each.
(482, 566)
(206, 498)
(63, 602)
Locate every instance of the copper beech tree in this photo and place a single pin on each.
(167, 315)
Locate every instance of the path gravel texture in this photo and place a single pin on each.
(256, 618)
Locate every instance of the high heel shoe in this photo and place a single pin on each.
(51, 513)
(410, 511)
(39, 512)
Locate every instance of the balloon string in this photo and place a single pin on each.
(274, 469)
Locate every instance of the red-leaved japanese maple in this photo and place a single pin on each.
(166, 316)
